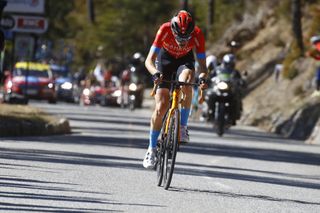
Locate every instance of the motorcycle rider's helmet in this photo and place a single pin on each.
(229, 61)
(137, 58)
(182, 25)
(315, 39)
(211, 62)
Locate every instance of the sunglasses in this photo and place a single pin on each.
(182, 39)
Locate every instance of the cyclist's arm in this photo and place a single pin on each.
(151, 58)
(202, 68)
(155, 49)
(200, 53)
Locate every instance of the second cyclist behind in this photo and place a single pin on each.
(173, 49)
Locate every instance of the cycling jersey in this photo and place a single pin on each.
(168, 65)
(316, 54)
(318, 46)
(165, 39)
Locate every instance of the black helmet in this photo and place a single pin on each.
(137, 59)
(182, 24)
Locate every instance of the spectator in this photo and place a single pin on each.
(98, 73)
(315, 53)
(277, 70)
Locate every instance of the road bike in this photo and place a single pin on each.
(169, 141)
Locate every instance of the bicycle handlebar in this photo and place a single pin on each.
(181, 83)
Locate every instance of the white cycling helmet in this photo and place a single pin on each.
(211, 61)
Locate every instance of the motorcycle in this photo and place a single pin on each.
(132, 89)
(130, 96)
(219, 102)
(90, 95)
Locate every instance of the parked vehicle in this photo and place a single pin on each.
(29, 80)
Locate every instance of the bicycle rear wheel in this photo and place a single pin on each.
(171, 147)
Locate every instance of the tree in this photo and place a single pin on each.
(122, 27)
(211, 11)
(296, 23)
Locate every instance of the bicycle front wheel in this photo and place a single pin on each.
(171, 147)
(160, 159)
(161, 151)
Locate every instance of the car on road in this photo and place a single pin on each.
(29, 80)
(66, 90)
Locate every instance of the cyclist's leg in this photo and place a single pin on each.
(161, 98)
(162, 104)
(186, 75)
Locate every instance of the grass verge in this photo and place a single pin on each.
(18, 120)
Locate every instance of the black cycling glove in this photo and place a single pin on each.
(156, 76)
(202, 81)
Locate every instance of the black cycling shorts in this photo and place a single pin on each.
(168, 65)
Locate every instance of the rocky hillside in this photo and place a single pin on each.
(287, 107)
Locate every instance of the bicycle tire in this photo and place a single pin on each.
(171, 147)
(160, 152)
(160, 159)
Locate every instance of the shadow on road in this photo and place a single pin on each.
(263, 154)
(242, 196)
(44, 195)
(76, 158)
(198, 147)
(238, 134)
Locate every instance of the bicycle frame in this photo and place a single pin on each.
(175, 101)
(170, 141)
(176, 94)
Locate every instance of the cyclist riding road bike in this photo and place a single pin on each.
(172, 50)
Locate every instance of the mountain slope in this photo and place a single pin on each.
(287, 107)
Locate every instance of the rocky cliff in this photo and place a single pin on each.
(285, 106)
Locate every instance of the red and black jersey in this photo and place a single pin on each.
(165, 39)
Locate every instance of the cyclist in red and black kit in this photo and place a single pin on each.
(171, 56)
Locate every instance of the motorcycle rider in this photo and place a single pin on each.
(137, 68)
(212, 64)
(228, 67)
(138, 77)
(125, 79)
(315, 53)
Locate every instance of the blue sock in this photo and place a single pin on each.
(184, 116)
(154, 134)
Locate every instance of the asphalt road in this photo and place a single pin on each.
(98, 168)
